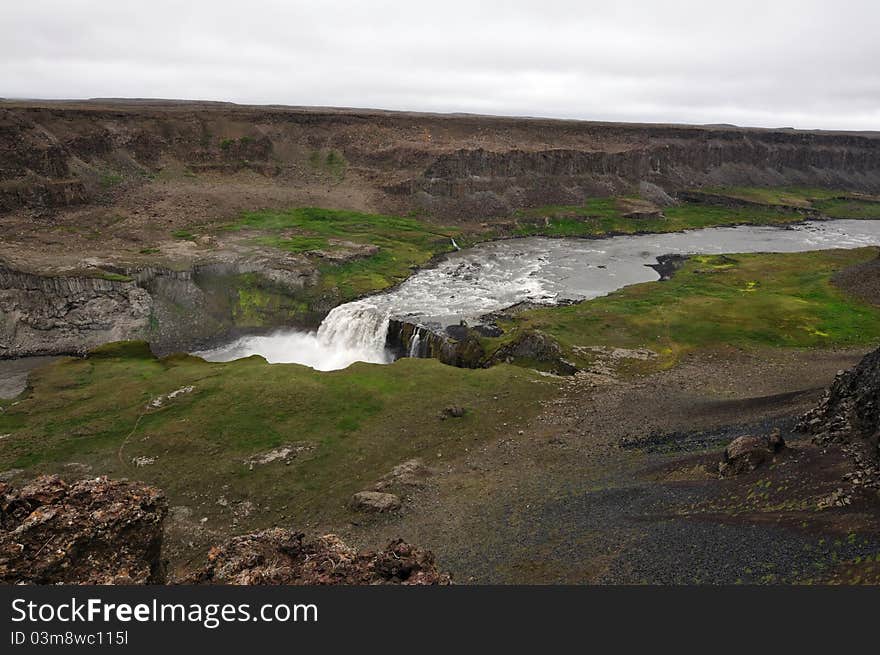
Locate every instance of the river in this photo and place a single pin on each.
(470, 283)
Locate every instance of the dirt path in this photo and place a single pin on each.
(609, 484)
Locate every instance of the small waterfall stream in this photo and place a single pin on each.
(415, 343)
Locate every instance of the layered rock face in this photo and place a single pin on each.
(68, 314)
(91, 532)
(174, 310)
(849, 414)
(57, 154)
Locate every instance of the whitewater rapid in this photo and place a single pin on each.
(471, 283)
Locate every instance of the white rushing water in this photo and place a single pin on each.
(354, 332)
(489, 277)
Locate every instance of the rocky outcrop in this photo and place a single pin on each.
(747, 453)
(535, 346)
(41, 194)
(849, 415)
(456, 345)
(90, 532)
(283, 557)
(43, 315)
(411, 473)
(102, 531)
(655, 195)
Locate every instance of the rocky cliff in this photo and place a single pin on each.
(174, 310)
(55, 155)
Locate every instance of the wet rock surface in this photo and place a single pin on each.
(95, 531)
(279, 556)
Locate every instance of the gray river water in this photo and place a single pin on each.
(470, 283)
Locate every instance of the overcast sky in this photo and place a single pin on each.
(770, 63)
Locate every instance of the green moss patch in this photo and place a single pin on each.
(403, 242)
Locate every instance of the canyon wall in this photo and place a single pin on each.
(173, 310)
(65, 154)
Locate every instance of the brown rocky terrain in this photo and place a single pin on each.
(96, 531)
(278, 556)
(100, 531)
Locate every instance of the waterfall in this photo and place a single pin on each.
(454, 245)
(354, 332)
(414, 344)
(356, 327)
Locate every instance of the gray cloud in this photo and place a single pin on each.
(806, 64)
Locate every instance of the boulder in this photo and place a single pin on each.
(453, 411)
(284, 557)
(374, 501)
(747, 453)
(91, 532)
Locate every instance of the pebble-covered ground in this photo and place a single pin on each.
(611, 484)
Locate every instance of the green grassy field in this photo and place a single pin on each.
(404, 243)
(779, 300)
(604, 216)
(773, 206)
(355, 425)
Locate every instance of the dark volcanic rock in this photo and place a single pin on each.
(747, 453)
(849, 414)
(456, 345)
(282, 557)
(91, 532)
